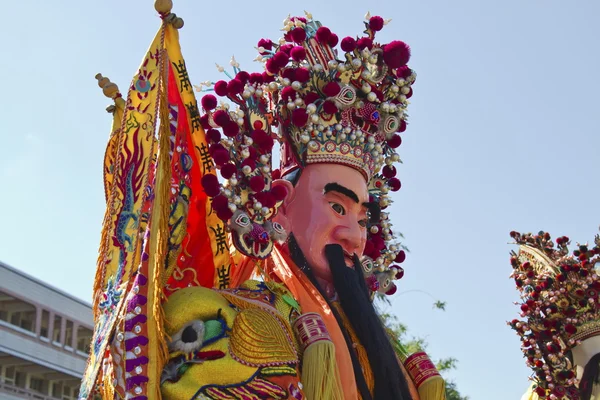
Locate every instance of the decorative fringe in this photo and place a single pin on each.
(429, 382)
(433, 388)
(320, 374)
(159, 235)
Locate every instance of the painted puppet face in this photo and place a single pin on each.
(327, 206)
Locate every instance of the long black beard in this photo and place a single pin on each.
(353, 294)
(591, 375)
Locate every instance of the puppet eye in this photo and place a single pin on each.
(189, 338)
(338, 208)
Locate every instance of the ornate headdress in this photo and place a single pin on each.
(321, 107)
(559, 307)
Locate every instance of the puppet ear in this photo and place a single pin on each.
(290, 192)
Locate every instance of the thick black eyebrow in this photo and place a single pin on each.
(336, 187)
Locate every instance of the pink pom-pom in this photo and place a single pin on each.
(332, 89)
(235, 86)
(268, 78)
(204, 122)
(243, 77)
(221, 88)
(281, 58)
(288, 94)
(393, 288)
(311, 97)
(348, 44)
(259, 136)
(378, 242)
(215, 147)
(400, 257)
(253, 154)
(298, 35)
(299, 117)
(389, 171)
(221, 157)
(211, 185)
(289, 73)
(364, 42)
(267, 44)
(399, 273)
(257, 183)
(333, 40)
(266, 199)
(329, 107)
(302, 75)
(249, 162)
(298, 53)
(231, 129)
(221, 118)
(287, 48)
(323, 34)
(403, 72)
(209, 102)
(376, 23)
(219, 203)
(402, 126)
(225, 214)
(279, 192)
(272, 66)
(213, 135)
(396, 54)
(228, 170)
(394, 141)
(256, 78)
(394, 184)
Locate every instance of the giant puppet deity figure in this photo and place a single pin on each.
(314, 234)
(560, 310)
(316, 229)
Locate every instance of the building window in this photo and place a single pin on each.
(38, 384)
(45, 324)
(17, 312)
(69, 334)
(56, 329)
(20, 379)
(84, 338)
(9, 375)
(57, 390)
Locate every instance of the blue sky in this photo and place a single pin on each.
(503, 135)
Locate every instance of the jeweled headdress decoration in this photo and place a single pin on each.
(559, 307)
(322, 106)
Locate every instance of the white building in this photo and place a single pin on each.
(44, 338)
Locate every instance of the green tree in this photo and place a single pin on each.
(415, 344)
